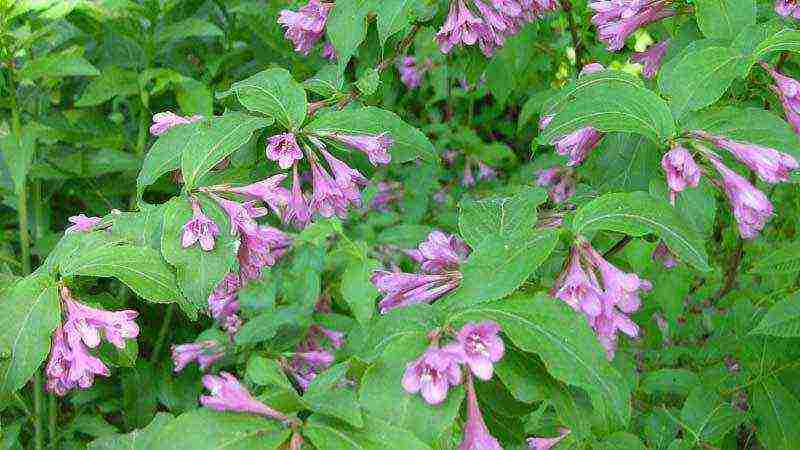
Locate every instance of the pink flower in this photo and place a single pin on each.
(405, 289)
(561, 182)
(539, 443)
(787, 8)
(479, 346)
(681, 169)
(164, 121)
(578, 144)
(376, 147)
(199, 228)
(306, 26)
(297, 211)
(410, 75)
(442, 252)
(261, 247)
(388, 192)
(349, 180)
(327, 198)
(591, 68)
(616, 21)
(486, 172)
(468, 180)
(460, 27)
(432, 375)
(769, 164)
(88, 322)
(328, 52)
(751, 208)
(283, 148)
(205, 353)
(81, 223)
(224, 299)
(651, 58)
(227, 394)
(663, 254)
(577, 289)
(476, 435)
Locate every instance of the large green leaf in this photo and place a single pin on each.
(782, 319)
(568, 347)
(347, 27)
(606, 79)
(165, 155)
(777, 412)
(18, 155)
(188, 28)
(637, 214)
(57, 65)
(377, 434)
(214, 140)
(72, 246)
(393, 16)
(785, 259)
(707, 417)
(29, 312)
(204, 429)
(143, 439)
(409, 142)
(113, 82)
(622, 162)
(357, 289)
(723, 19)
(787, 40)
(504, 216)
(273, 92)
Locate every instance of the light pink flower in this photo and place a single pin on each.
(81, 223)
(616, 20)
(199, 228)
(283, 149)
(224, 299)
(404, 289)
(306, 26)
(227, 394)
(476, 435)
(751, 208)
(787, 8)
(681, 169)
(432, 375)
(578, 144)
(328, 52)
(651, 58)
(479, 346)
(376, 147)
(164, 121)
(410, 74)
(205, 353)
(591, 68)
(577, 289)
(769, 164)
(442, 252)
(297, 211)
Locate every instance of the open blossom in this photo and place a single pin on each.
(651, 58)
(376, 147)
(349, 180)
(306, 26)
(117, 326)
(618, 19)
(405, 289)
(578, 144)
(432, 375)
(205, 353)
(681, 169)
(261, 248)
(479, 346)
(200, 228)
(227, 394)
(540, 443)
(442, 252)
(751, 208)
(81, 223)
(787, 8)
(560, 181)
(476, 435)
(283, 149)
(164, 121)
(577, 289)
(769, 164)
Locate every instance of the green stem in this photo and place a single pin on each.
(162, 333)
(53, 422)
(38, 410)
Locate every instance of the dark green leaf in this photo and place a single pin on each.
(273, 92)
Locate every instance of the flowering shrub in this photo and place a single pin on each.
(393, 224)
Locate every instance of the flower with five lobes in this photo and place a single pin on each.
(478, 345)
(164, 121)
(787, 8)
(227, 394)
(306, 26)
(681, 170)
(81, 223)
(283, 149)
(200, 228)
(432, 375)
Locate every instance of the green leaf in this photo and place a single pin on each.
(622, 162)
(621, 440)
(568, 347)
(786, 259)
(141, 268)
(189, 28)
(525, 379)
(700, 78)
(415, 320)
(29, 312)
(213, 140)
(57, 65)
(143, 439)
(603, 80)
(165, 155)
(347, 27)
(698, 206)
(73, 245)
(707, 417)
(266, 372)
(368, 82)
(637, 214)
(777, 412)
(330, 394)
(613, 107)
(377, 434)
(409, 142)
(671, 381)
(357, 289)
(142, 228)
(113, 82)
(507, 261)
(327, 82)
(723, 19)
(194, 97)
(198, 271)
(503, 216)
(782, 319)
(264, 326)
(18, 156)
(139, 400)
(393, 16)
(786, 40)
(204, 429)
(273, 92)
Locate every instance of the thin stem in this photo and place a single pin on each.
(38, 411)
(52, 424)
(566, 5)
(733, 270)
(162, 333)
(617, 247)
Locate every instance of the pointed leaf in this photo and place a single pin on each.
(273, 92)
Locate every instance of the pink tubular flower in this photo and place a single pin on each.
(591, 68)
(460, 27)
(681, 169)
(405, 289)
(616, 20)
(539, 443)
(164, 121)
(432, 375)
(283, 149)
(663, 254)
(349, 180)
(560, 180)
(388, 192)
(227, 394)
(262, 247)
(328, 52)
(476, 435)
(297, 211)
(651, 58)
(327, 198)
(306, 26)
(199, 228)
(577, 289)
(224, 299)
(786, 87)
(442, 252)
(311, 358)
(578, 144)
(410, 74)
(787, 8)
(81, 223)
(479, 346)
(769, 164)
(205, 353)
(751, 208)
(88, 322)
(268, 191)
(376, 147)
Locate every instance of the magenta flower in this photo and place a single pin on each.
(591, 68)
(388, 192)
(376, 147)
(622, 288)
(88, 322)
(561, 182)
(283, 148)
(405, 289)
(786, 87)
(792, 116)
(460, 28)
(224, 299)
(681, 169)
(539, 443)
(751, 208)
(327, 198)
(663, 254)
(262, 247)
(319, 359)
(769, 164)
(651, 58)
(81, 223)
(268, 191)
(306, 26)
(328, 52)
(575, 288)
(486, 172)
(578, 144)
(616, 21)
(311, 358)
(479, 346)
(410, 74)
(442, 252)
(199, 228)
(227, 394)
(476, 435)
(787, 8)
(164, 121)
(297, 211)
(432, 375)
(335, 337)
(205, 353)
(349, 180)
(545, 120)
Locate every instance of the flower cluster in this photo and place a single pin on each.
(491, 25)
(306, 26)
(164, 121)
(788, 90)
(440, 257)
(314, 353)
(605, 304)
(787, 8)
(70, 364)
(651, 58)
(618, 19)
(227, 394)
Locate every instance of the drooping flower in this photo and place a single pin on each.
(459, 28)
(224, 299)
(227, 394)
(164, 121)
(476, 435)
(577, 289)
(81, 223)
(376, 147)
(560, 180)
(388, 192)
(540, 443)
(432, 375)
(769, 164)
(349, 180)
(792, 116)
(297, 211)
(205, 353)
(623, 288)
(651, 58)
(310, 357)
(268, 191)
(283, 149)
(479, 346)
(405, 289)
(616, 20)
(751, 208)
(485, 172)
(327, 198)
(410, 74)
(787, 8)
(261, 248)
(442, 252)
(663, 254)
(200, 228)
(117, 326)
(328, 52)
(681, 169)
(578, 144)
(306, 26)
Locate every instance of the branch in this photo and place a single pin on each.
(566, 5)
(617, 247)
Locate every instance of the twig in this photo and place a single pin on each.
(781, 61)
(566, 5)
(617, 247)
(732, 272)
